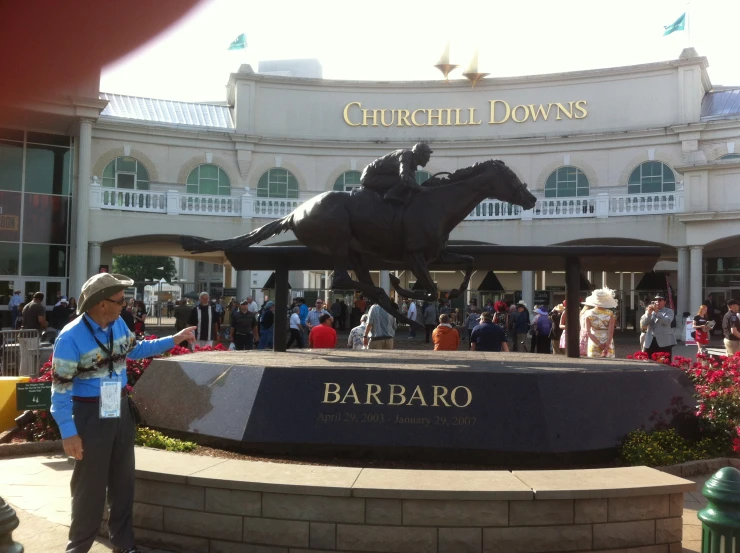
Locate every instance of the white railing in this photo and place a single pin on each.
(599, 206)
(273, 208)
(173, 202)
(130, 200)
(639, 204)
(495, 209)
(192, 204)
(554, 208)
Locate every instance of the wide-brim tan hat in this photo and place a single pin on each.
(99, 287)
(559, 308)
(603, 297)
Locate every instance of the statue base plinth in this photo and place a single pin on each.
(498, 409)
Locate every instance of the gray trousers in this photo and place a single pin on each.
(107, 462)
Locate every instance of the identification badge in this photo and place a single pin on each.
(110, 399)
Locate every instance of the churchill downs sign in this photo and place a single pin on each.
(498, 112)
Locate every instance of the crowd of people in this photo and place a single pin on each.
(496, 326)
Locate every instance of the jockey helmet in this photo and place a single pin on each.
(421, 148)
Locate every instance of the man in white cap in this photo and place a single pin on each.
(60, 314)
(94, 413)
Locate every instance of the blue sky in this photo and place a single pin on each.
(402, 40)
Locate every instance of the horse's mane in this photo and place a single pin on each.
(463, 174)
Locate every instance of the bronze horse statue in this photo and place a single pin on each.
(350, 225)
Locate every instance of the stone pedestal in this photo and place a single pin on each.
(495, 408)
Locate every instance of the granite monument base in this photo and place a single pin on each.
(499, 409)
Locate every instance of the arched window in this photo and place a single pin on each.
(208, 179)
(566, 182)
(277, 183)
(729, 156)
(126, 172)
(347, 181)
(651, 177)
(422, 177)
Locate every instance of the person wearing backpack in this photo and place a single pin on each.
(471, 321)
(541, 325)
(501, 317)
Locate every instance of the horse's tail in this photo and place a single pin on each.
(198, 245)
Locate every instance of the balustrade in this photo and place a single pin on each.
(133, 200)
(173, 202)
(274, 208)
(191, 204)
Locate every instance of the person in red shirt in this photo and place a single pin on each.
(323, 336)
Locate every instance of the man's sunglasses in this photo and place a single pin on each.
(118, 302)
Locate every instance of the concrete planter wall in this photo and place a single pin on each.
(187, 503)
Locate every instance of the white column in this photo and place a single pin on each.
(528, 289)
(327, 290)
(621, 297)
(604, 279)
(79, 268)
(93, 258)
(243, 283)
(632, 290)
(696, 269)
(543, 286)
(385, 281)
(188, 270)
(683, 282)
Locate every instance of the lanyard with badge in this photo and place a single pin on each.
(110, 390)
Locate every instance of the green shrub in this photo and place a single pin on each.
(665, 447)
(151, 438)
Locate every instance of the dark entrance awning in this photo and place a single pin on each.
(270, 284)
(585, 284)
(652, 281)
(490, 283)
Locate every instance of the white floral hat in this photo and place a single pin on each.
(603, 297)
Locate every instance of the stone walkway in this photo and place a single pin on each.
(38, 488)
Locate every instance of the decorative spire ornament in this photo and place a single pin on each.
(444, 64)
(471, 73)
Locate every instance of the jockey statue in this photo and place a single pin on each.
(393, 175)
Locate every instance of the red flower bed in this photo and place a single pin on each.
(717, 385)
(44, 428)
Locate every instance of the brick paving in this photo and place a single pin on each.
(38, 488)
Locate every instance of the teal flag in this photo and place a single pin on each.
(678, 25)
(240, 42)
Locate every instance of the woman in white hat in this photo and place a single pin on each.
(600, 323)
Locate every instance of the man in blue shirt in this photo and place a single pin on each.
(302, 311)
(15, 301)
(488, 336)
(90, 405)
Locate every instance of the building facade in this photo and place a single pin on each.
(628, 155)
